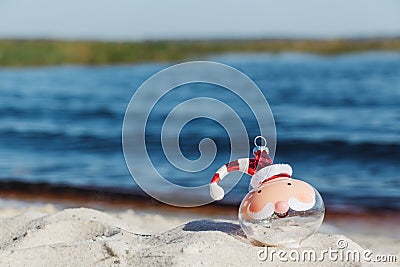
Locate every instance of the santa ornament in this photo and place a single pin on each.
(279, 210)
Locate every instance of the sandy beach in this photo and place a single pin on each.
(39, 234)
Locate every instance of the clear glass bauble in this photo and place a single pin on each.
(287, 231)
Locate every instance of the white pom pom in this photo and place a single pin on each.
(216, 192)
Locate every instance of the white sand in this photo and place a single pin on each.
(44, 236)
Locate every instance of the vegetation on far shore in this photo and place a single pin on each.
(53, 52)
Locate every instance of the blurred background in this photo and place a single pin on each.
(330, 71)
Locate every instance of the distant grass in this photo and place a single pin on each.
(49, 52)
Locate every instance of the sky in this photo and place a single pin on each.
(189, 19)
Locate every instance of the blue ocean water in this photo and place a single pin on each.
(337, 121)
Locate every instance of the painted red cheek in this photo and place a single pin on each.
(255, 204)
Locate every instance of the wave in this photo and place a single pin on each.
(388, 151)
(60, 141)
(36, 113)
(342, 147)
(111, 141)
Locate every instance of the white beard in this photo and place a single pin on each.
(297, 205)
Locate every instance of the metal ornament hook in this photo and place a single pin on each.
(263, 140)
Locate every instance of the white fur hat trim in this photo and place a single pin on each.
(268, 172)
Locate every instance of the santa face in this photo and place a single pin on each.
(278, 196)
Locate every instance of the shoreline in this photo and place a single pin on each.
(109, 199)
(121, 197)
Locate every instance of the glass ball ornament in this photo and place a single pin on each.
(270, 217)
(279, 210)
